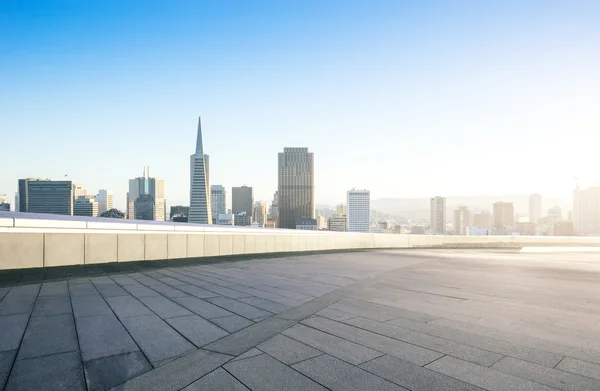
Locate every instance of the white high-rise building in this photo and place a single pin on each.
(78, 191)
(438, 215)
(104, 198)
(463, 218)
(200, 208)
(147, 186)
(259, 214)
(535, 208)
(218, 201)
(359, 211)
(586, 211)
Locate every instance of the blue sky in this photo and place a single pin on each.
(405, 98)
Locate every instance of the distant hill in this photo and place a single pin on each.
(418, 208)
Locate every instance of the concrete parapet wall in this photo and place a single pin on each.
(33, 247)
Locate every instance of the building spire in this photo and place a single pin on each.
(199, 146)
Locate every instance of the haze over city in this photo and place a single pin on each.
(407, 99)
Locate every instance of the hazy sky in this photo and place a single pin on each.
(405, 98)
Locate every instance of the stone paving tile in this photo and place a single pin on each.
(3, 292)
(201, 307)
(381, 343)
(54, 289)
(462, 351)
(140, 290)
(242, 309)
(579, 367)
(370, 313)
(250, 353)
(267, 374)
(232, 323)
(338, 375)
(483, 377)
(199, 331)
(92, 305)
(287, 350)
(170, 281)
(55, 372)
(506, 347)
(265, 304)
(178, 373)
(16, 304)
(102, 336)
(52, 305)
(127, 306)
(169, 291)
(104, 373)
(24, 290)
(269, 296)
(548, 376)
(332, 345)
(82, 289)
(217, 380)
(196, 291)
(124, 280)
(157, 339)
(332, 314)
(6, 361)
(242, 341)
(111, 289)
(575, 350)
(11, 330)
(414, 377)
(164, 307)
(48, 335)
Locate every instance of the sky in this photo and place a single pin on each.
(405, 98)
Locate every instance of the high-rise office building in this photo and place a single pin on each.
(218, 201)
(438, 215)
(504, 215)
(104, 198)
(296, 186)
(4, 204)
(46, 196)
(260, 213)
(85, 205)
(340, 210)
(482, 220)
(535, 208)
(555, 214)
(22, 194)
(463, 218)
(274, 209)
(242, 200)
(586, 211)
(78, 191)
(146, 185)
(359, 210)
(144, 207)
(200, 205)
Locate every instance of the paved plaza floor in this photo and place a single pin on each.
(373, 320)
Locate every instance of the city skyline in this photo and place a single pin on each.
(416, 84)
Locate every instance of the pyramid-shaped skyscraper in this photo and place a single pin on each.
(199, 183)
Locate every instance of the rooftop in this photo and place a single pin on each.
(373, 320)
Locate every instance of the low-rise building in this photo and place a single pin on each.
(307, 224)
(224, 219)
(337, 223)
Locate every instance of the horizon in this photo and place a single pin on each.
(406, 99)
